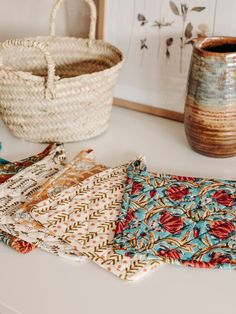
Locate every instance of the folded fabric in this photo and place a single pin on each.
(181, 220)
(15, 243)
(7, 172)
(22, 185)
(19, 188)
(3, 161)
(82, 167)
(85, 217)
(10, 169)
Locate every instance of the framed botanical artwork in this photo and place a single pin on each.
(156, 37)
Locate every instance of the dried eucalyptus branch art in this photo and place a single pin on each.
(187, 28)
(169, 43)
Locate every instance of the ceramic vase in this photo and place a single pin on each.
(210, 109)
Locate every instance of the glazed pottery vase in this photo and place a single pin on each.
(210, 109)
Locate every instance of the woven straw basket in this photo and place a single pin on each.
(58, 89)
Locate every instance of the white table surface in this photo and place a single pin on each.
(40, 283)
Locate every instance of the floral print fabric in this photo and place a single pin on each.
(84, 216)
(182, 220)
(82, 167)
(15, 243)
(7, 172)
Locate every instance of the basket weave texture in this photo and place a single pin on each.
(58, 89)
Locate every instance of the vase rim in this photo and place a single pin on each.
(203, 46)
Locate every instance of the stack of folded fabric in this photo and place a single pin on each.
(125, 219)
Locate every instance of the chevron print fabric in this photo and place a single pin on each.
(28, 229)
(85, 217)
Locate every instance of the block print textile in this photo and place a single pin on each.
(22, 185)
(6, 172)
(16, 243)
(17, 189)
(82, 167)
(185, 220)
(85, 217)
(10, 169)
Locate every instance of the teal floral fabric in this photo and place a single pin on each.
(182, 220)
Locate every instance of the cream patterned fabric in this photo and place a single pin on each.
(20, 188)
(26, 227)
(85, 217)
(17, 190)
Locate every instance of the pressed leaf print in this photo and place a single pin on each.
(143, 44)
(174, 8)
(187, 27)
(198, 9)
(156, 37)
(143, 23)
(188, 31)
(162, 24)
(159, 24)
(142, 19)
(169, 43)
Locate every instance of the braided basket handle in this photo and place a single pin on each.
(30, 43)
(93, 18)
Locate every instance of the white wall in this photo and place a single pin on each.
(23, 18)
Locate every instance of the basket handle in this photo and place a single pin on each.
(29, 43)
(93, 18)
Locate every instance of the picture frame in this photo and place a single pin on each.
(177, 24)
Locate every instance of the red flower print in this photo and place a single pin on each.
(22, 246)
(184, 179)
(129, 181)
(26, 163)
(122, 225)
(217, 258)
(119, 227)
(143, 234)
(172, 254)
(176, 193)
(199, 264)
(4, 178)
(136, 188)
(129, 217)
(128, 254)
(171, 223)
(153, 193)
(196, 232)
(223, 198)
(221, 229)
